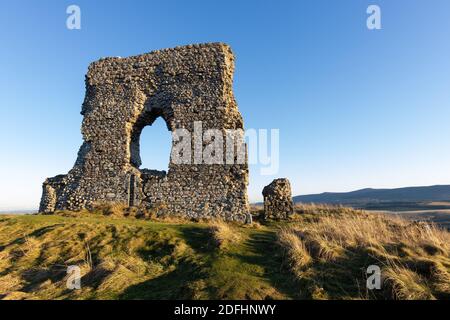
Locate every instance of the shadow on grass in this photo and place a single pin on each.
(35, 234)
(185, 271)
(18, 253)
(173, 285)
(198, 238)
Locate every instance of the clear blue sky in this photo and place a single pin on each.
(355, 108)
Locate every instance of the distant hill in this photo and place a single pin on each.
(380, 197)
(25, 211)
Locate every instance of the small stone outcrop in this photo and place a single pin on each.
(278, 202)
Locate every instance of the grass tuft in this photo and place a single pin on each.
(223, 233)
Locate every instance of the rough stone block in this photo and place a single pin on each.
(278, 202)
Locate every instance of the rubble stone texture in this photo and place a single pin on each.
(278, 202)
(123, 95)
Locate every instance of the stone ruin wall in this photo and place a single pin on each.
(278, 201)
(123, 95)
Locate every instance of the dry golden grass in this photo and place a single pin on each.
(117, 210)
(223, 233)
(341, 227)
(296, 252)
(111, 208)
(414, 256)
(323, 209)
(404, 284)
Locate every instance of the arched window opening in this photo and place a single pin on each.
(155, 144)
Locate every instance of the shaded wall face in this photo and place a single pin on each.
(183, 86)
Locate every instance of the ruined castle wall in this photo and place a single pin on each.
(123, 95)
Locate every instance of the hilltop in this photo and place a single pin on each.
(320, 253)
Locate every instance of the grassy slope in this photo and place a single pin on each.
(127, 258)
(135, 259)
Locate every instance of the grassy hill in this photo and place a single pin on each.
(321, 253)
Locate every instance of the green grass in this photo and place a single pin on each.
(125, 258)
(129, 258)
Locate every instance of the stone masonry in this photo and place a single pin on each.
(278, 202)
(123, 95)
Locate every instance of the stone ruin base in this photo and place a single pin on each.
(278, 202)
